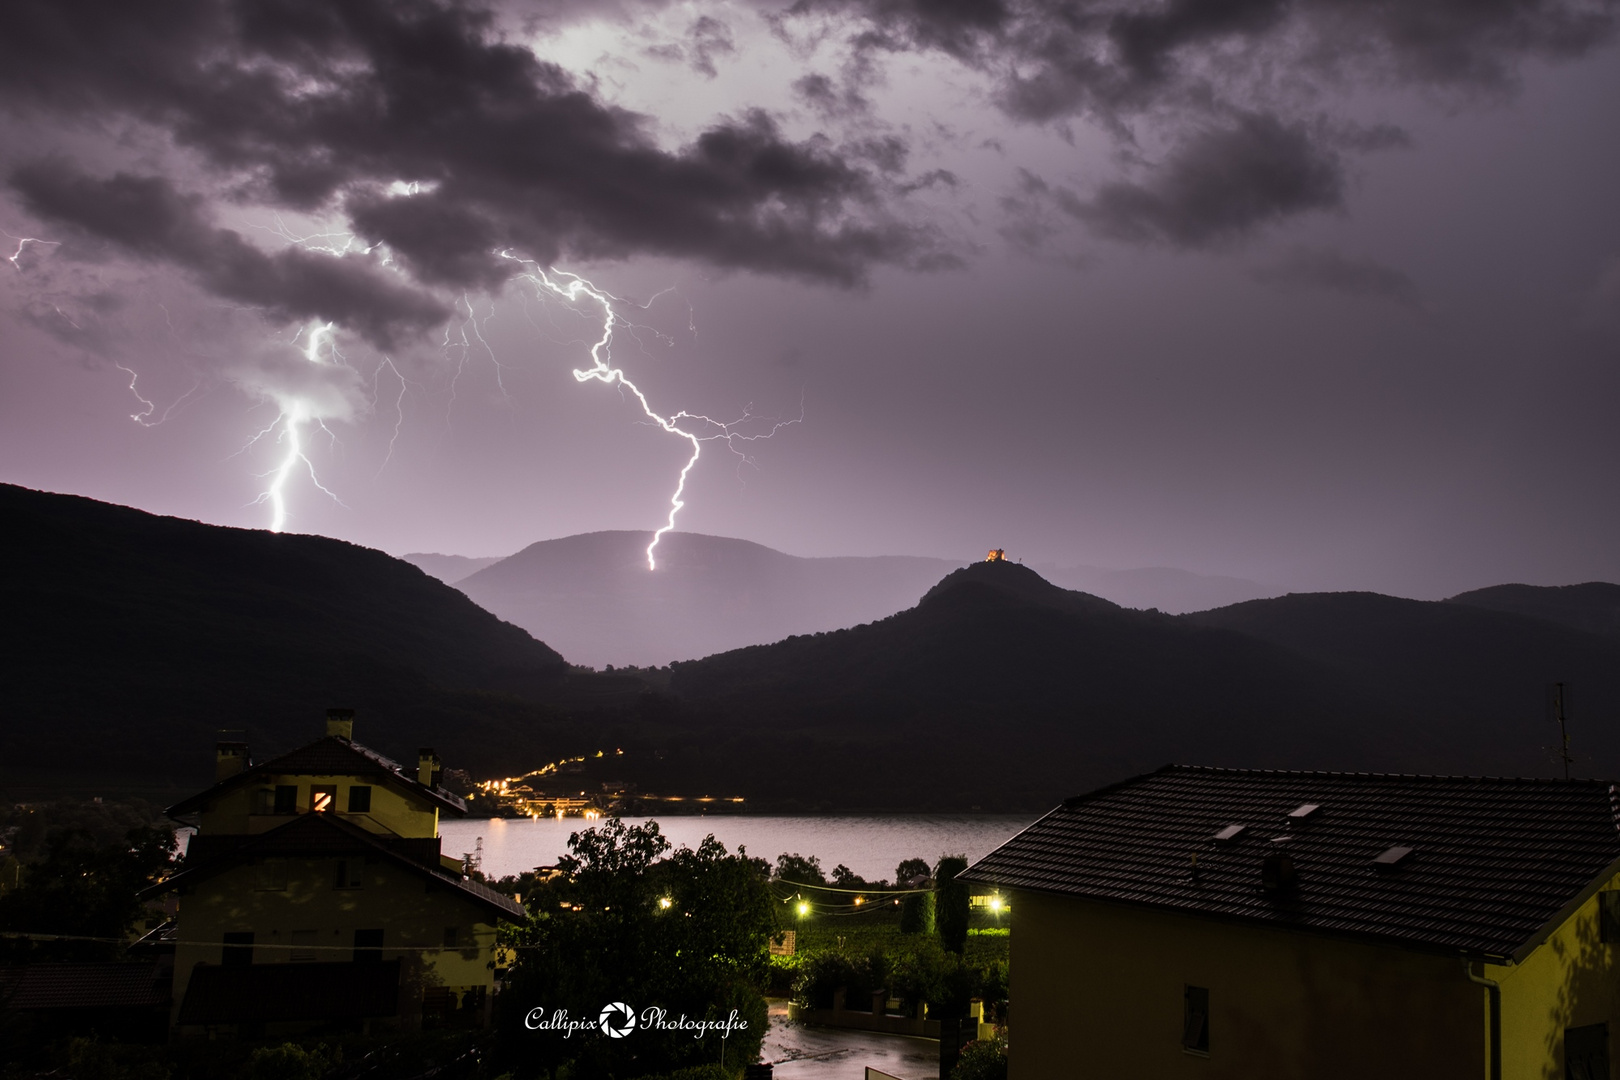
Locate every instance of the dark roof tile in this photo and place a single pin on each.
(85, 986)
(1494, 860)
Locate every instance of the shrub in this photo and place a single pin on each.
(986, 1060)
(289, 1061)
(821, 974)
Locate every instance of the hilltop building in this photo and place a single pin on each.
(314, 894)
(1219, 923)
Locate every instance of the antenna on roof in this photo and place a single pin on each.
(1563, 730)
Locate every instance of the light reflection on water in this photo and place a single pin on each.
(871, 846)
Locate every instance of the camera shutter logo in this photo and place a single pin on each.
(617, 1020)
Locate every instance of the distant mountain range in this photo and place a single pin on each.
(449, 568)
(1002, 685)
(130, 642)
(592, 597)
(1162, 588)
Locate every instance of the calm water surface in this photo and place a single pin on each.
(871, 846)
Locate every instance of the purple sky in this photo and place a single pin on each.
(1324, 294)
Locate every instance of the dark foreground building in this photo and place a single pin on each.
(314, 896)
(1219, 923)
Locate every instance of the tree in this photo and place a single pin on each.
(951, 903)
(687, 934)
(845, 878)
(85, 888)
(799, 870)
(917, 910)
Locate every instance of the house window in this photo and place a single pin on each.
(351, 873)
(286, 798)
(1586, 1052)
(368, 946)
(451, 933)
(238, 948)
(1609, 916)
(323, 798)
(1195, 1019)
(360, 799)
(303, 945)
(271, 875)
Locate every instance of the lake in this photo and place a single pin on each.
(871, 846)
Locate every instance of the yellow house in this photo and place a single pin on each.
(1227, 924)
(314, 894)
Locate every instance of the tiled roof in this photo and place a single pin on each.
(328, 756)
(269, 993)
(85, 986)
(1495, 863)
(327, 835)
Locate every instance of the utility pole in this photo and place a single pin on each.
(1563, 731)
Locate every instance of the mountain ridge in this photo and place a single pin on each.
(134, 638)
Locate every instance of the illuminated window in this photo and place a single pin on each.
(286, 799)
(368, 946)
(360, 799)
(303, 945)
(238, 948)
(323, 798)
(1195, 1019)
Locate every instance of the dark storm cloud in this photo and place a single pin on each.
(1220, 185)
(1315, 268)
(1178, 65)
(1145, 39)
(143, 216)
(319, 106)
(1091, 54)
(829, 100)
(706, 37)
(709, 37)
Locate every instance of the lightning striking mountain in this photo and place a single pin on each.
(601, 370)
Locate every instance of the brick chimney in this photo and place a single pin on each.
(340, 722)
(230, 758)
(428, 767)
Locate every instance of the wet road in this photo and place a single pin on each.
(800, 1052)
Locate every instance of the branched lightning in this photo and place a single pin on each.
(15, 258)
(288, 427)
(601, 370)
(144, 417)
(399, 405)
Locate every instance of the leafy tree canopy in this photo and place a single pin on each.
(687, 933)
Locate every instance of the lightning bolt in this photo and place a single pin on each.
(601, 370)
(289, 428)
(143, 417)
(399, 405)
(15, 258)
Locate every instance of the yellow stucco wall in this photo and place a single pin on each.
(1097, 991)
(1570, 980)
(392, 810)
(411, 911)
